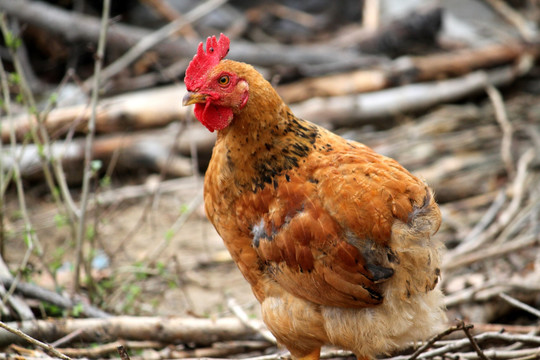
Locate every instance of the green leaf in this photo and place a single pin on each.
(52, 310)
(169, 234)
(53, 98)
(161, 267)
(41, 150)
(184, 208)
(27, 239)
(90, 232)
(77, 310)
(60, 220)
(105, 181)
(13, 42)
(96, 165)
(14, 78)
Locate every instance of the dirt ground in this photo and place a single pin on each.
(192, 273)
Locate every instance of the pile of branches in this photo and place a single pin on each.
(482, 158)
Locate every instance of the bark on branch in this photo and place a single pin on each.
(79, 27)
(404, 71)
(199, 332)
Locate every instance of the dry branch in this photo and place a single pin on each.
(22, 309)
(150, 150)
(83, 28)
(134, 111)
(363, 108)
(199, 332)
(525, 29)
(156, 37)
(255, 325)
(158, 107)
(460, 260)
(218, 350)
(405, 70)
(168, 12)
(106, 349)
(22, 335)
(36, 292)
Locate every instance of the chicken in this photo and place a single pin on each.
(334, 239)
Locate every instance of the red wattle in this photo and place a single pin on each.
(212, 116)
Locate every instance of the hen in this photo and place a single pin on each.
(334, 239)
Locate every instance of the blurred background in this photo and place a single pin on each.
(101, 176)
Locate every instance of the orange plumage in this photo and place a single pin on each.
(334, 238)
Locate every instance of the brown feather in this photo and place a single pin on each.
(325, 230)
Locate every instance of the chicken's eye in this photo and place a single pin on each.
(224, 80)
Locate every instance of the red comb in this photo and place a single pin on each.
(204, 61)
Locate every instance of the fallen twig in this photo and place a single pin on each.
(83, 28)
(156, 37)
(487, 291)
(518, 188)
(168, 12)
(218, 350)
(466, 330)
(363, 108)
(107, 349)
(33, 341)
(253, 324)
(502, 118)
(150, 150)
(403, 71)
(36, 292)
(164, 329)
(513, 17)
(19, 306)
(460, 260)
(436, 338)
(519, 304)
(133, 111)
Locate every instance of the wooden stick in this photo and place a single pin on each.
(103, 350)
(473, 342)
(461, 260)
(256, 326)
(168, 12)
(360, 109)
(134, 111)
(513, 17)
(156, 37)
(158, 107)
(22, 335)
(36, 292)
(164, 329)
(520, 304)
(435, 338)
(371, 14)
(21, 308)
(146, 150)
(404, 70)
(507, 128)
(83, 28)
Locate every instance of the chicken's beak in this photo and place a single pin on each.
(193, 98)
